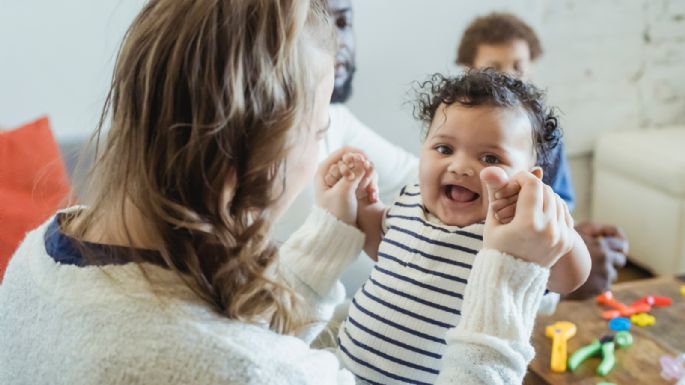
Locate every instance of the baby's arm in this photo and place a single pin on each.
(370, 210)
(571, 270)
(370, 221)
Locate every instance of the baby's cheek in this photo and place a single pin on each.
(426, 180)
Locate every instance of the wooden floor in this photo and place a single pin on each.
(632, 272)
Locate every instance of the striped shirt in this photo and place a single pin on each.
(395, 330)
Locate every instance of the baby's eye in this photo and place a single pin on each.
(441, 148)
(489, 159)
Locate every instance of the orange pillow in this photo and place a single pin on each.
(33, 183)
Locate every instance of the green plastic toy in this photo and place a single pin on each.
(604, 347)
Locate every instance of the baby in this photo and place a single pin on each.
(426, 241)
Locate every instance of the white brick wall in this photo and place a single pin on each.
(614, 65)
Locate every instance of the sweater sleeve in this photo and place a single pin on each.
(313, 259)
(491, 344)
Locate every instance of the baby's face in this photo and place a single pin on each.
(460, 143)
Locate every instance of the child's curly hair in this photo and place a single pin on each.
(491, 88)
(495, 28)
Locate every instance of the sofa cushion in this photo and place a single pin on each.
(654, 157)
(33, 183)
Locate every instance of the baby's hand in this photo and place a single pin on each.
(350, 164)
(339, 197)
(504, 204)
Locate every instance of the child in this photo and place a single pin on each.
(426, 241)
(501, 41)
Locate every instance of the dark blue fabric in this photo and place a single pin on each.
(61, 247)
(69, 251)
(558, 176)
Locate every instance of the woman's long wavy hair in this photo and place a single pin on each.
(207, 97)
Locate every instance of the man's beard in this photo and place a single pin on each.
(342, 94)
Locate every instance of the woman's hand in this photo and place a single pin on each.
(338, 195)
(542, 228)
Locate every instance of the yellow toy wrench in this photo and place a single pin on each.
(560, 332)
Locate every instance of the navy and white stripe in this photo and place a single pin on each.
(395, 330)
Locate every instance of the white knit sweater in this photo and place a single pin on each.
(62, 324)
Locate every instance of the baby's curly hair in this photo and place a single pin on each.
(488, 87)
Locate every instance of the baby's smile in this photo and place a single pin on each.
(458, 203)
(460, 194)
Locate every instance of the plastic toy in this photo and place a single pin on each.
(654, 301)
(621, 310)
(560, 332)
(672, 367)
(682, 290)
(604, 347)
(619, 324)
(643, 319)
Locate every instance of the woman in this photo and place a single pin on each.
(168, 276)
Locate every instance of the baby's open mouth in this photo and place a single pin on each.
(460, 194)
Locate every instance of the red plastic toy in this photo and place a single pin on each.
(654, 301)
(621, 310)
(642, 305)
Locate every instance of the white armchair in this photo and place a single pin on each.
(639, 185)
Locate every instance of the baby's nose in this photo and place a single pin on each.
(462, 166)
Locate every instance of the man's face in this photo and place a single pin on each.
(341, 12)
(512, 58)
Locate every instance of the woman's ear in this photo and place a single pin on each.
(537, 171)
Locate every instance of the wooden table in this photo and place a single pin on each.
(638, 364)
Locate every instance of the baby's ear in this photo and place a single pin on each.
(537, 171)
